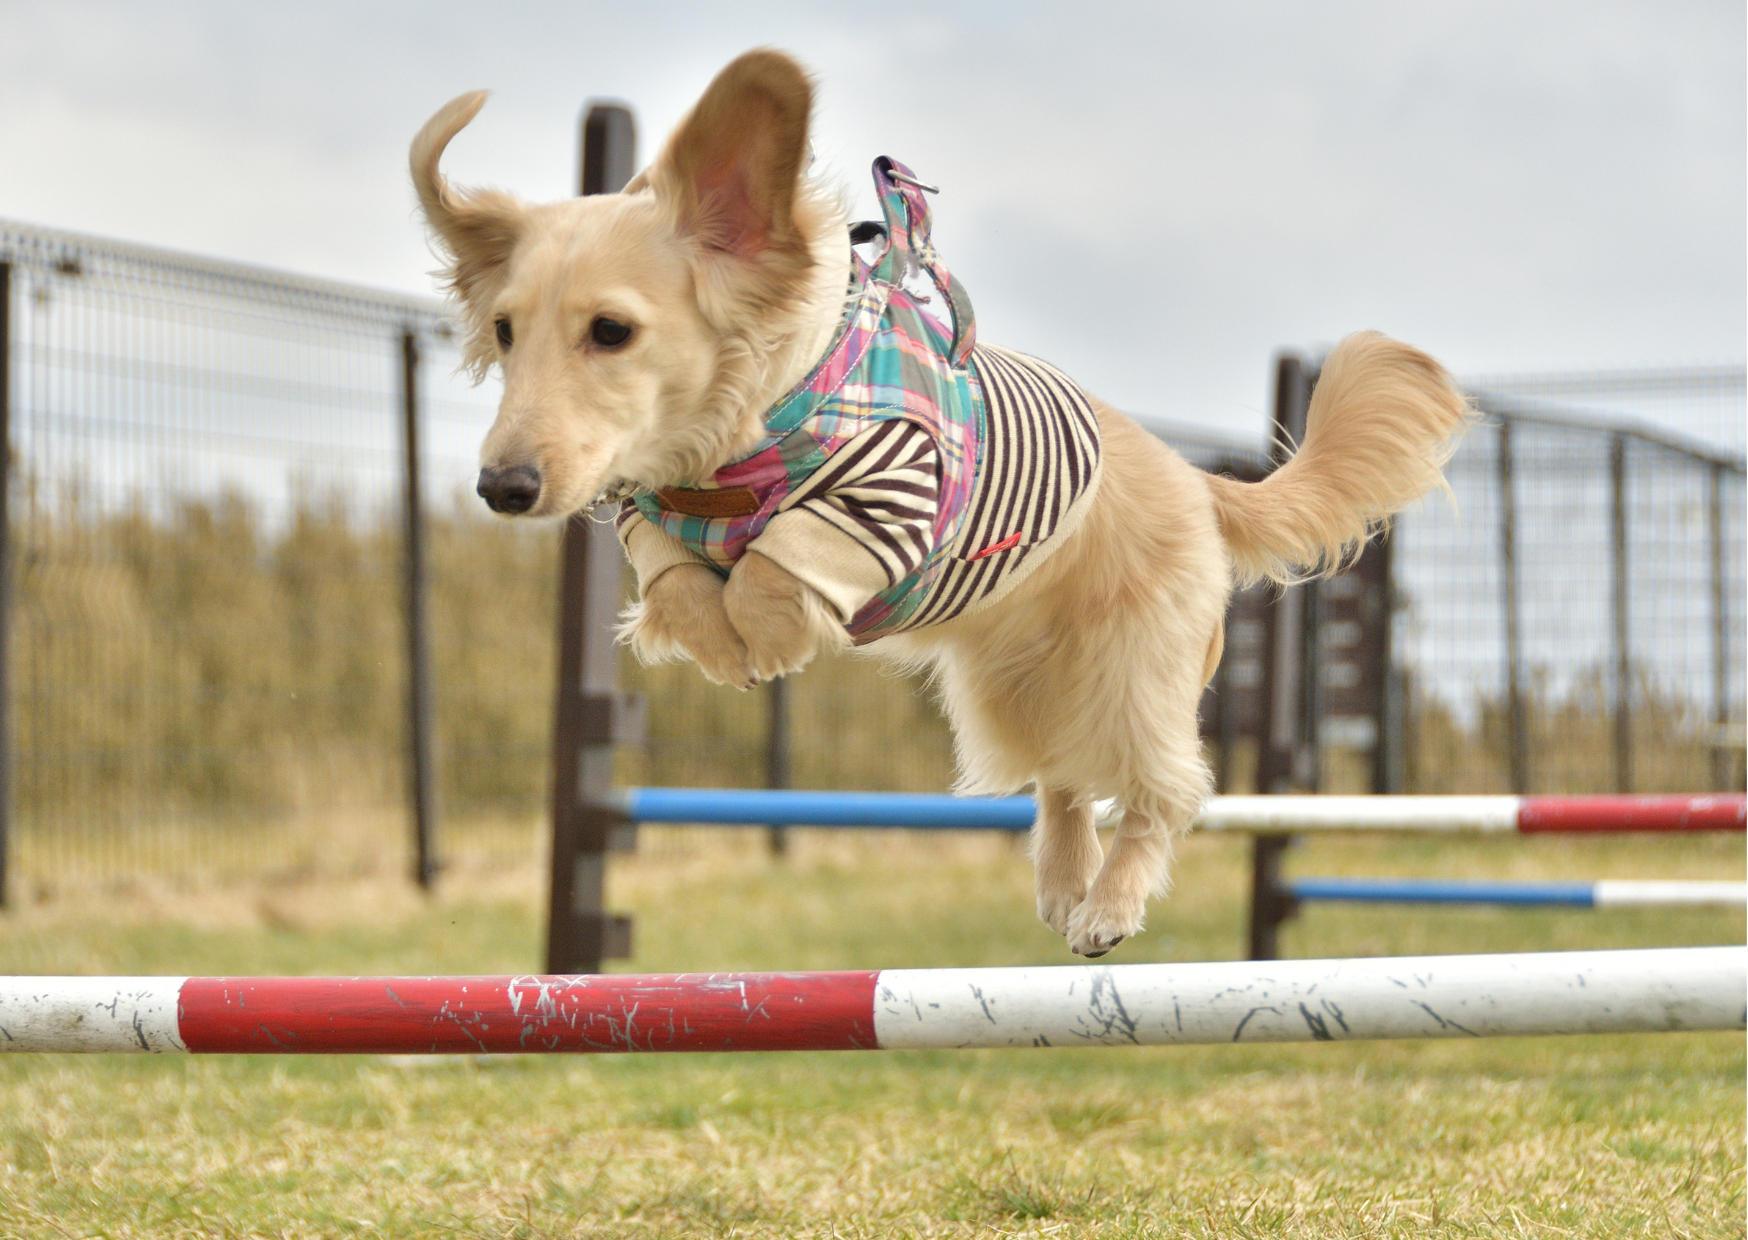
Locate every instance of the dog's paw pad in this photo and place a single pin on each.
(1105, 951)
(1092, 932)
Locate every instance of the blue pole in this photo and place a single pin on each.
(752, 807)
(1438, 891)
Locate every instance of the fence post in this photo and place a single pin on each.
(1516, 731)
(1278, 760)
(609, 152)
(1214, 720)
(5, 574)
(777, 751)
(1386, 751)
(1720, 633)
(419, 774)
(591, 715)
(1623, 689)
(1221, 720)
(1270, 904)
(1308, 757)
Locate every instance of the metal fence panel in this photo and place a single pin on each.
(1452, 618)
(208, 629)
(209, 641)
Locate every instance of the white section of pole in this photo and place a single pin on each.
(90, 1014)
(1664, 989)
(1616, 893)
(1282, 814)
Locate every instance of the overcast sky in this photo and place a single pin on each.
(1154, 196)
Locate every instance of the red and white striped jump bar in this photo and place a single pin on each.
(1260, 814)
(1661, 990)
(1538, 815)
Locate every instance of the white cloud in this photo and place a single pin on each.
(1155, 196)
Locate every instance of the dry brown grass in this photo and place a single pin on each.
(198, 693)
(1570, 742)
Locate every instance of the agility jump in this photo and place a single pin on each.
(1528, 994)
(1523, 815)
(1264, 815)
(1643, 991)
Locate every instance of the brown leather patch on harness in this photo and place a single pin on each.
(723, 502)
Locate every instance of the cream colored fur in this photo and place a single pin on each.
(1085, 679)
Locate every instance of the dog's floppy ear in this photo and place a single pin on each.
(477, 228)
(732, 168)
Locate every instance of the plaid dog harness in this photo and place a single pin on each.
(1015, 447)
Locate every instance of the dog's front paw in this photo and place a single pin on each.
(1063, 871)
(1054, 907)
(782, 620)
(1099, 924)
(681, 616)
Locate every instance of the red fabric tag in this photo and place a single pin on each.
(1012, 540)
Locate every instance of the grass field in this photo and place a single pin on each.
(1606, 1137)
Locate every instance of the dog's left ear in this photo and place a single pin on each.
(732, 168)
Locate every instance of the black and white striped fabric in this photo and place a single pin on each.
(881, 489)
(1040, 470)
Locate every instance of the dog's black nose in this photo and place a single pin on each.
(510, 490)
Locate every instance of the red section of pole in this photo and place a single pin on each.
(1568, 815)
(601, 1014)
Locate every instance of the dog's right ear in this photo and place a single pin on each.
(477, 228)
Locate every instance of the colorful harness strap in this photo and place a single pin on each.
(890, 361)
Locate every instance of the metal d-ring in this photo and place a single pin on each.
(615, 492)
(922, 185)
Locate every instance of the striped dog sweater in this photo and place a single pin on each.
(914, 476)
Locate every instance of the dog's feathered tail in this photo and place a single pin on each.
(1384, 418)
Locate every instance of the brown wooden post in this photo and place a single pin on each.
(1283, 657)
(1214, 722)
(5, 574)
(591, 716)
(1386, 749)
(777, 752)
(1231, 706)
(1270, 903)
(1308, 754)
(1280, 761)
(421, 790)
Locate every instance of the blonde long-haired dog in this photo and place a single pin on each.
(645, 339)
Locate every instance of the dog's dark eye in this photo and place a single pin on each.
(609, 332)
(504, 334)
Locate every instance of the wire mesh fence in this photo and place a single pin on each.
(1573, 621)
(208, 630)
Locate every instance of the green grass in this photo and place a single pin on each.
(1609, 1137)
